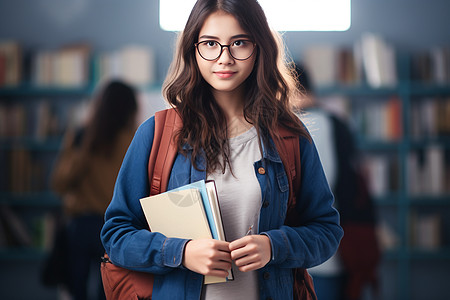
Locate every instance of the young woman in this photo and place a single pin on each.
(85, 173)
(227, 84)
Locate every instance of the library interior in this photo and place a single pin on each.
(385, 72)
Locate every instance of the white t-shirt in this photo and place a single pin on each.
(240, 201)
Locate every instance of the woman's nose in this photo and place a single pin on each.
(225, 57)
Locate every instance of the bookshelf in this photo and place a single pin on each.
(395, 202)
(413, 209)
(27, 152)
(42, 93)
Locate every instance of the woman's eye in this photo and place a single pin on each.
(211, 44)
(239, 43)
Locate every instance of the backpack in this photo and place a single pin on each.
(120, 283)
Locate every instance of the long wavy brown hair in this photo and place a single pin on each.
(268, 88)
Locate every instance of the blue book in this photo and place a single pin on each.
(201, 186)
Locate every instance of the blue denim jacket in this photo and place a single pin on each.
(130, 245)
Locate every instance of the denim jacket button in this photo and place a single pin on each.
(261, 171)
(266, 275)
(266, 204)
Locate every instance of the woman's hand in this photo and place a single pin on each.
(207, 257)
(251, 252)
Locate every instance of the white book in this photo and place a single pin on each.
(435, 163)
(321, 61)
(177, 214)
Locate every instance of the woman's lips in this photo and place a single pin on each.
(224, 74)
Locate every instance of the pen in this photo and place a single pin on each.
(249, 230)
(255, 217)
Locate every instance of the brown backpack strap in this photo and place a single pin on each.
(164, 150)
(289, 149)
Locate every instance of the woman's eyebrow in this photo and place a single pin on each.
(212, 37)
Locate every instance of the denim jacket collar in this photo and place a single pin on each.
(269, 153)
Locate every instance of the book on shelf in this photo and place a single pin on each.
(427, 171)
(138, 64)
(382, 173)
(10, 63)
(432, 66)
(350, 71)
(440, 73)
(16, 230)
(426, 230)
(377, 168)
(429, 117)
(23, 172)
(423, 118)
(379, 61)
(67, 67)
(387, 236)
(443, 120)
(38, 120)
(380, 120)
(370, 58)
(73, 65)
(321, 63)
(189, 212)
(132, 63)
(393, 128)
(13, 120)
(415, 174)
(43, 120)
(435, 172)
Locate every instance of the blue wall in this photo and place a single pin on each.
(410, 25)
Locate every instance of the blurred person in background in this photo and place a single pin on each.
(345, 275)
(84, 176)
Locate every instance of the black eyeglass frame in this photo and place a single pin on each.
(225, 46)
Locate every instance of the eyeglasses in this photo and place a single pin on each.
(212, 50)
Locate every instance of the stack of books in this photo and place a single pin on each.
(189, 212)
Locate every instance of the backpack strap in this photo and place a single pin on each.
(164, 150)
(288, 147)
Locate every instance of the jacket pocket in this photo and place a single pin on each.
(283, 193)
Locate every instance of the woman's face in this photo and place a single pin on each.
(225, 74)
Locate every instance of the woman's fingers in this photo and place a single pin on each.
(251, 252)
(207, 257)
